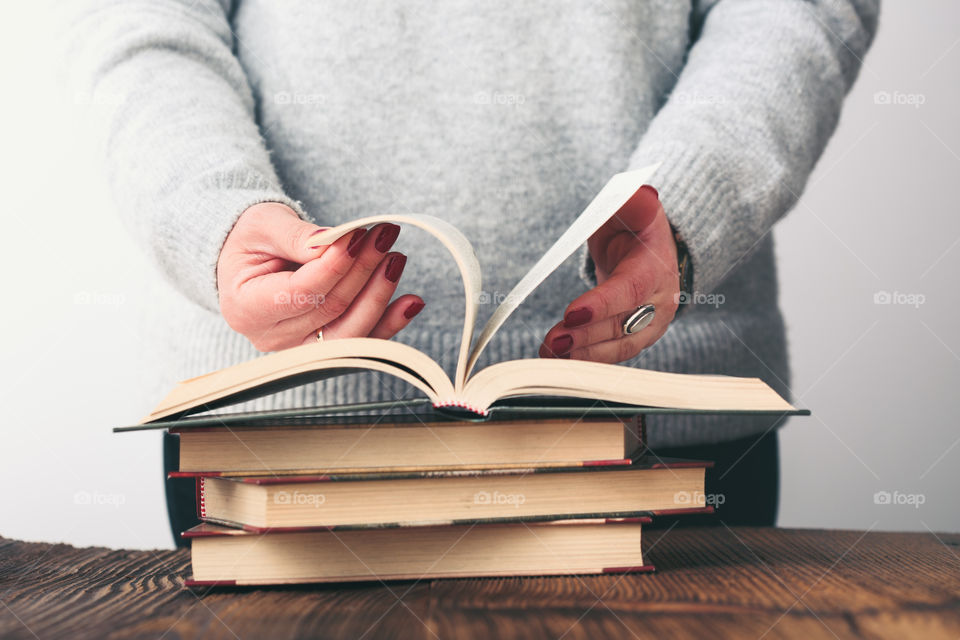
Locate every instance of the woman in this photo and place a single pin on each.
(244, 126)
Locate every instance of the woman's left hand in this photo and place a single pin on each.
(636, 264)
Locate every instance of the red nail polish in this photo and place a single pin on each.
(395, 267)
(652, 190)
(561, 344)
(386, 237)
(320, 230)
(577, 317)
(353, 248)
(413, 309)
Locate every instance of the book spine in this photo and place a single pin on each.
(462, 405)
(201, 504)
(641, 433)
(644, 568)
(190, 583)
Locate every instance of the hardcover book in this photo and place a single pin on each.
(232, 557)
(412, 444)
(445, 497)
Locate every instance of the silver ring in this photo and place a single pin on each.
(319, 335)
(639, 319)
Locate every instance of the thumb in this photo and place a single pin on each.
(286, 235)
(636, 214)
(641, 209)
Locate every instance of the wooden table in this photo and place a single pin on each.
(711, 582)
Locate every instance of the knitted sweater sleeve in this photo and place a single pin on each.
(183, 152)
(751, 112)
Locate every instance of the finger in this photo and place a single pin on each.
(363, 312)
(287, 294)
(397, 316)
(368, 253)
(282, 233)
(622, 348)
(631, 284)
(369, 305)
(636, 214)
(560, 340)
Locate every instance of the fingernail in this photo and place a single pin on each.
(353, 248)
(395, 267)
(414, 309)
(577, 317)
(386, 238)
(652, 190)
(561, 344)
(320, 230)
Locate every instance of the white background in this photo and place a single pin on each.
(879, 215)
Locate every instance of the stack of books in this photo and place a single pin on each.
(407, 499)
(499, 477)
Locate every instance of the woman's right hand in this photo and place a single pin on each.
(278, 291)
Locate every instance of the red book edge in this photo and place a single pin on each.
(261, 477)
(683, 512)
(190, 583)
(221, 528)
(375, 474)
(643, 568)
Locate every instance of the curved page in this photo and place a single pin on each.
(459, 247)
(613, 196)
(393, 358)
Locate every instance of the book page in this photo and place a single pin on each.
(606, 203)
(253, 376)
(454, 241)
(617, 383)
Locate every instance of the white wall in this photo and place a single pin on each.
(881, 379)
(880, 215)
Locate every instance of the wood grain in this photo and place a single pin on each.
(712, 582)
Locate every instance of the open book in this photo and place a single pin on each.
(472, 391)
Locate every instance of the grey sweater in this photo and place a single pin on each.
(504, 118)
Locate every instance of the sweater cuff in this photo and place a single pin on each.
(705, 207)
(194, 238)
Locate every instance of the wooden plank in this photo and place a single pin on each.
(714, 582)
